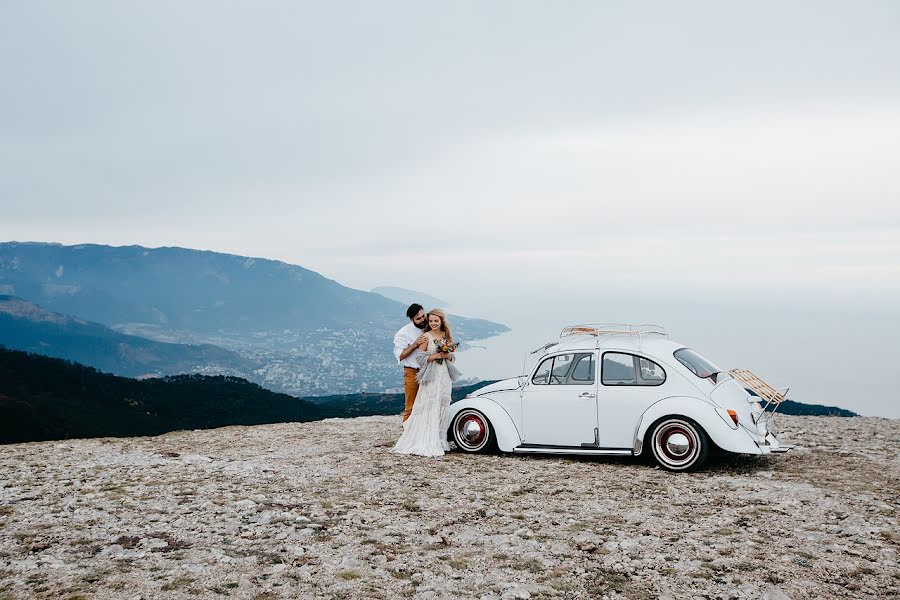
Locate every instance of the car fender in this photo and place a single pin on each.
(704, 414)
(505, 430)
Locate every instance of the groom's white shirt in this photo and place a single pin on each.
(404, 339)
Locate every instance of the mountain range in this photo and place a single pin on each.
(287, 327)
(194, 290)
(26, 326)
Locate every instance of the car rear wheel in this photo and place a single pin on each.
(679, 444)
(472, 432)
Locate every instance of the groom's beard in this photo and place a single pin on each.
(422, 326)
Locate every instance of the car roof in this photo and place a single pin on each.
(652, 345)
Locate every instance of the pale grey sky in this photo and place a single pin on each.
(714, 153)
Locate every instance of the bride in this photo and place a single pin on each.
(425, 431)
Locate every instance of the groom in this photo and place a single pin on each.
(406, 346)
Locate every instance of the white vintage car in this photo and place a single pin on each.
(648, 393)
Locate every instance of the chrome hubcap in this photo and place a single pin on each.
(470, 431)
(678, 444)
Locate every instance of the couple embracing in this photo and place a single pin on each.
(425, 349)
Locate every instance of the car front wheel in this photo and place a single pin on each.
(472, 432)
(679, 444)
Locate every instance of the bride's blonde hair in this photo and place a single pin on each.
(445, 326)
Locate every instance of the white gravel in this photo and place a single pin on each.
(323, 510)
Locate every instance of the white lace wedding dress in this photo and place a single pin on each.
(425, 431)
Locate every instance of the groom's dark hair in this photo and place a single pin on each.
(413, 310)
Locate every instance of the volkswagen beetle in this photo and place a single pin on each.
(621, 390)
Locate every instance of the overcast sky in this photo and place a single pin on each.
(507, 156)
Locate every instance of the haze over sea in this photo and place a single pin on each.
(726, 170)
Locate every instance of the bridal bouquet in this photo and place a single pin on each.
(445, 346)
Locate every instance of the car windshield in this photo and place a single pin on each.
(698, 365)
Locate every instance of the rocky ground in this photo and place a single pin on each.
(323, 510)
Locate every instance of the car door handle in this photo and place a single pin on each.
(587, 395)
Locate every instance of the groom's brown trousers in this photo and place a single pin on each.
(411, 388)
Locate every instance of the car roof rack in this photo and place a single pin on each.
(599, 329)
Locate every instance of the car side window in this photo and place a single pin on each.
(583, 372)
(562, 364)
(651, 373)
(542, 375)
(619, 368)
(566, 369)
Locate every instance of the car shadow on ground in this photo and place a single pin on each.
(741, 464)
(718, 463)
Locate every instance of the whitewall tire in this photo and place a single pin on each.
(679, 444)
(472, 432)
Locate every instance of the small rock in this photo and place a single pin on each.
(195, 459)
(350, 563)
(588, 542)
(524, 533)
(232, 527)
(773, 592)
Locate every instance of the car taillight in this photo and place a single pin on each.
(733, 416)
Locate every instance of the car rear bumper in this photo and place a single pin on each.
(771, 444)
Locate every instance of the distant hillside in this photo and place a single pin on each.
(790, 407)
(407, 297)
(194, 290)
(310, 334)
(47, 399)
(26, 326)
